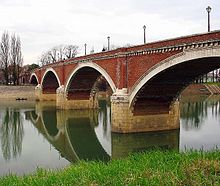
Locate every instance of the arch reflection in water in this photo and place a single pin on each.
(86, 134)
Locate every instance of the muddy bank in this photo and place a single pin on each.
(17, 93)
(201, 89)
(195, 89)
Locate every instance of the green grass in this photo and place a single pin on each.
(213, 83)
(151, 168)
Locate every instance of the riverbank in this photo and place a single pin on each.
(17, 93)
(202, 89)
(150, 168)
(28, 92)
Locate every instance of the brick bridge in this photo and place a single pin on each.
(144, 81)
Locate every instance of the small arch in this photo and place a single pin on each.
(95, 67)
(34, 79)
(50, 70)
(186, 56)
(50, 81)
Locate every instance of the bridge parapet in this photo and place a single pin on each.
(177, 44)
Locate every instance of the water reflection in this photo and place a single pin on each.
(86, 134)
(72, 135)
(11, 133)
(74, 132)
(124, 144)
(194, 110)
(200, 118)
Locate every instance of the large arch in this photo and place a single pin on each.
(34, 79)
(189, 64)
(87, 69)
(50, 81)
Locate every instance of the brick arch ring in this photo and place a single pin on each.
(33, 74)
(182, 57)
(96, 67)
(54, 72)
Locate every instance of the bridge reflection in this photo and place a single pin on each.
(80, 134)
(86, 134)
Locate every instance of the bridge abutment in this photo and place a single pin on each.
(124, 121)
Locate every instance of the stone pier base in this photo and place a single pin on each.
(125, 144)
(43, 97)
(76, 104)
(123, 120)
(64, 103)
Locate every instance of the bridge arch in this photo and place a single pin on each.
(46, 121)
(34, 79)
(188, 60)
(34, 117)
(50, 81)
(88, 68)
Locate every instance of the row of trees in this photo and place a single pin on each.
(58, 53)
(11, 58)
(62, 52)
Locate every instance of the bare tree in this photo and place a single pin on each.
(16, 58)
(54, 54)
(45, 59)
(60, 49)
(70, 51)
(20, 61)
(58, 53)
(92, 51)
(5, 55)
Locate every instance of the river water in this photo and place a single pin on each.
(37, 135)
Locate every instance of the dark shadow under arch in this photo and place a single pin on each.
(158, 94)
(50, 83)
(34, 81)
(83, 84)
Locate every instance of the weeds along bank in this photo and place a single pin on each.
(150, 168)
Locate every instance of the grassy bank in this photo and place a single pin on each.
(152, 168)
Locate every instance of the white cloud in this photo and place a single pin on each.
(42, 24)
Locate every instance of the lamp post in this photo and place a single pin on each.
(208, 9)
(85, 48)
(144, 27)
(108, 42)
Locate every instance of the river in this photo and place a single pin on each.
(37, 135)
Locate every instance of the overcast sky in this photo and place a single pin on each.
(42, 24)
